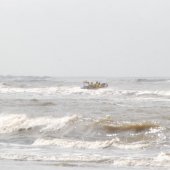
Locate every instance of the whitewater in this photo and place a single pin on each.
(49, 122)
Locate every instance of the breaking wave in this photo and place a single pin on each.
(15, 122)
(75, 131)
(20, 122)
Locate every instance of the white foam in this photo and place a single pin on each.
(143, 161)
(48, 90)
(57, 157)
(76, 90)
(162, 157)
(132, 146)
(67, 143)
(77, 158)
(81, 144)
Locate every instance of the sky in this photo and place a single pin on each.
(110, 38)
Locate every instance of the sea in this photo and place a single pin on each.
(52, 123)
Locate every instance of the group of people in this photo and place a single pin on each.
(96, 85)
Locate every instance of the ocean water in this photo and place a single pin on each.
(48, 122)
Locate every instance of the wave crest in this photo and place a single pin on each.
(19, 122)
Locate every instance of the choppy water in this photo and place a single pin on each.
(53, 120)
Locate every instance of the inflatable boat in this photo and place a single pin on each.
(92, 85)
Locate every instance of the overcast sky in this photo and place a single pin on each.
(85, 37)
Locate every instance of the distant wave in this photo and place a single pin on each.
(71, 90)
(145, 93)
(152, 80)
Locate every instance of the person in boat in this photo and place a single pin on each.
(91, 85)
(104, 85)
(87, 84)
(98, 84)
